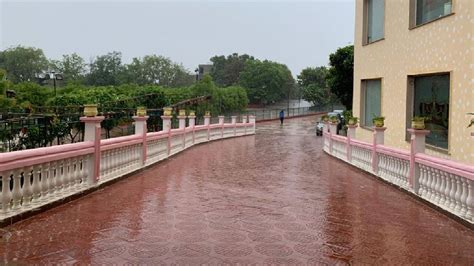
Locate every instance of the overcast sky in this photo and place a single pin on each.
(298, 34)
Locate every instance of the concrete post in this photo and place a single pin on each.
(207, 123)
(233, 119)
(141, 130)
(378, 139)
(332, 131)
(417, 145)
(182, 121)
(92, 132)
(167, 128)
(351, 133)
(192, 123)
(221, 119)
(252, 122)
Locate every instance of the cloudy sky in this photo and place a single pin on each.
(298, 34)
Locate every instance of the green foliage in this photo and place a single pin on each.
(23, 63)
(105, 69)
(314, 86)
(72, 67)
(341, 74)
(316, 76)
(32, 93)
(155, 69)
(226, 70)
(266, 81)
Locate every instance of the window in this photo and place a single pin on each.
(431, 100)
(424, 11)
(371, 101)
(373, 20)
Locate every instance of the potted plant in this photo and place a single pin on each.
(192, 113)
(378, 121)
(90, 110)
(333, 119)
(325, 118)
(418, 122)
(141, 111)
(353, 121)
(167, 111)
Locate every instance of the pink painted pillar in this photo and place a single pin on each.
(234, 122)
(221, 123)
(141, 130)
(167, 128)
(351, 134)
(92, 132)
(378, 139)
(244, 121)
(182, 126)
(207, 123)
(192, 123)
(417, 145)
(252, 122)
(332, 131)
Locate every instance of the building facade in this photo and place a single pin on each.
(416, 58)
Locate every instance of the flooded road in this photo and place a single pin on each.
(274, 198)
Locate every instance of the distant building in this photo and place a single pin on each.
(203, 69)
(415, 58)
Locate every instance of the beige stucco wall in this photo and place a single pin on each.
(445, 45)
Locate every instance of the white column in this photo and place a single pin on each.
(92, 132)
(141, 130)
(182, 121)
(378, 139)
(252, 122)
(207, 120)
(192, 120)
(417, 145)
(221, 119)
(166, 122)
(351, 133)
(233, 119)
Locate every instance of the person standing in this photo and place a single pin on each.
(282, 116)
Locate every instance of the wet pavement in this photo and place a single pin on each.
(274, 198)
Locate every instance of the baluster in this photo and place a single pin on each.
(452, 192)
(74, 174)
(437, 186)
(44, 180)
(85, 171)
(17, 190)
(52, 178)
(470, 201)
(58, 176)
(27, 189)
(67, 175)
(463, 198)
(36, 182)
(6, 193)
(421, 180)
(447, 192)
(442, 199)
(457, 196)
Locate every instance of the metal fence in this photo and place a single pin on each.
(268, 114)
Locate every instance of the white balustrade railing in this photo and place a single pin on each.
(361, 156)
(394, 167)
(37, 177)
(447, 184)
(33, 178)
(339, 148)
(444, 183)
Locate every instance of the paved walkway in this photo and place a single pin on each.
(274, 198)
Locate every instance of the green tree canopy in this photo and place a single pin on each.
(341, 74)
(105, 70)
(72, 67)
(266, 81)
(23, 63)
(155, 69)
(226, 70)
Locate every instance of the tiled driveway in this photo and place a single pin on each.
(274, 198)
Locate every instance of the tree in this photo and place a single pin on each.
(266, 81)
(105, 69)
(23, 63)
(314, 85)
(154, 69)
(72, 67)
(226, 71)
(341, 74)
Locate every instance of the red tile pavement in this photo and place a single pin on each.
(274, 198)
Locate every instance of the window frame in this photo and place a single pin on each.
(412, 15)
(362, 100)
(410, 107)
(365, 21)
